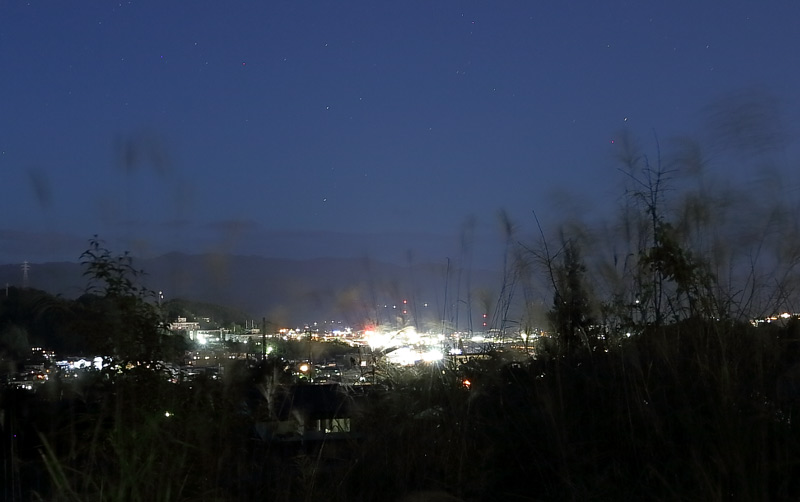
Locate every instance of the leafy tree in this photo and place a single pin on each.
(14, 342)
(571, 316)
(44, 318)
(691, 280)
(119, 315)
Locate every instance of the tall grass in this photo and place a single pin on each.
(698, 410)
(686, 412)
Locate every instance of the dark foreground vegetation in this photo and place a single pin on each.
(693, 411)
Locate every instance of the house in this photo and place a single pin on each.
(308, 417)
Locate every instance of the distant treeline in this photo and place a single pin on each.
(33, 318)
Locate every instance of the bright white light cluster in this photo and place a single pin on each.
(406, 356)
(432, 355)
(406, 346)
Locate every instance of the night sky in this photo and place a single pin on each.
(289, 128)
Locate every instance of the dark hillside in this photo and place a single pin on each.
(288, 291)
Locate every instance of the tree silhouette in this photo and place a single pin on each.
(571, 315)
(120, 316)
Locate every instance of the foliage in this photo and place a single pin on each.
(14, 342)
(696, 410)
(35, 318)
(691, 278)
(118, 314)
(571, 316)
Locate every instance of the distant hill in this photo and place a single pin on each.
(293, 292)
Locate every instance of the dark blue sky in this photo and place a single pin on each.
(252, 127)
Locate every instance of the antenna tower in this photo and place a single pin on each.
(25, 267)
